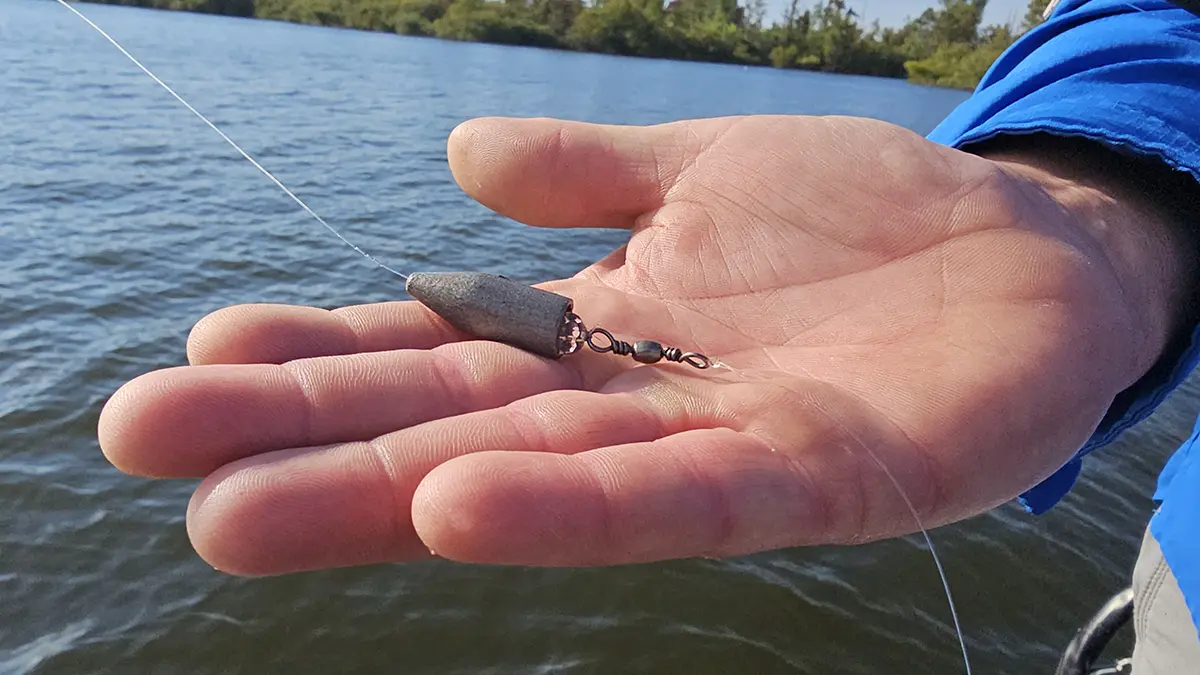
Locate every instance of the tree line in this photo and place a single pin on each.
(947, 45)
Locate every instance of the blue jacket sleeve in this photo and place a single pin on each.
(1125, 74)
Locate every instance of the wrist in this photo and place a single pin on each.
(1135, 214)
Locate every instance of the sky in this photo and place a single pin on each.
(894, 12)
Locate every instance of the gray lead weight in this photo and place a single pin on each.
(495, 308)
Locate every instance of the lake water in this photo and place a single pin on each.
(123, 220)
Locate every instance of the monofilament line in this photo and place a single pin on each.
(937, 561)
(231, 142)
(962, 642)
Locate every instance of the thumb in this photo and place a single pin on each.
(552, 173)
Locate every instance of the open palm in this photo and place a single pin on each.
(884, 305)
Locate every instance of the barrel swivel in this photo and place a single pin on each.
(575, 335)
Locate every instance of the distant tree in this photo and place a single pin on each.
(627, 27)
(958, 22)
(945, 45)
(557, 15)
(756, 13)
(961, 65)
(1033, 16)
(497, 22)
(416, 17)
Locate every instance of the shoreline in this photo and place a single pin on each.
(676, 32)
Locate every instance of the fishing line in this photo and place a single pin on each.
(962, 643)
(231, 142)
(937, 561)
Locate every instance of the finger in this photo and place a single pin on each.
(267, 333)
(708, 492)
(571, 174)
(755, 468)
(351, 504)
(189, 421)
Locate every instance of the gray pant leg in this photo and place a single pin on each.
(1167, 643)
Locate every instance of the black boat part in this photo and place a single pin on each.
(1089, 642)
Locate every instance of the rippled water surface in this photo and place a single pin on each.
(123, 220)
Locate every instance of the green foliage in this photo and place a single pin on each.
(1033, 16)
(382, 15)
(228, 7)
(945, 45)
(626, 27)
(960, 65)
(557, 15)
(958, 22)
(484, 21)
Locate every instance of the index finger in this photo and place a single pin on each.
(274, 333)
(277, 333)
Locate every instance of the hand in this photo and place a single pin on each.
(964, 321)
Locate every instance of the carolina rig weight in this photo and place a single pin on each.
(496, 308)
